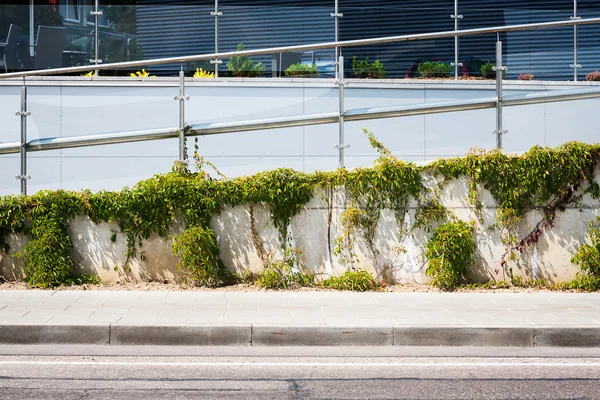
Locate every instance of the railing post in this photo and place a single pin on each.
(216, 14)
(182, 98)
(575, 65)
(23, 177)
(456, 17)
(96, 13)
(341, 146)
(499, 68)
(336, 15)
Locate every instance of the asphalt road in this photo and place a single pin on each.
(86, 372)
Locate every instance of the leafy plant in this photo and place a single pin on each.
(450, 253)
(244, 66)
(282, 274)
(488, 72)
(300, 69)
(357, 281)
(199, 254)
(365, 69)
(588, 259)
(431, 69)
(90, 74)
(200, 73)
(593, 76)
(525, 77)
(142, 74)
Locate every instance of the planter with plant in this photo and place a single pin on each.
(368, 70)
(302, 70)
(431, 69)
(244, 66)
(525, 77)
(488, 71)
(200, 73)
(593, 76)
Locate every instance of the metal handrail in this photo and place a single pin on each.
(317, 46)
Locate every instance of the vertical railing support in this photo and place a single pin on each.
(575, 64)
(456, 17)
(336, 17)
(341, 146)
(96, 13)
(182, 98)
(216, 14)
(499, 68)
(23, 177)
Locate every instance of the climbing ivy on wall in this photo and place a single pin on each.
(543, 180)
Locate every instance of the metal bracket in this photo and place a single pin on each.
(504, 132)
(216, 14)
(95, 61)
(338, 82)
(459, 64)
(216, 61)
(22, 177)
(181, 98)
(575, 65)
(574, 18)
(345, 146)
(456, 16)
(503, 68)
(23, 114)
(96, 13)
(337, 15)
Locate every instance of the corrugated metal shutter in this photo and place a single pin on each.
(166, 28)
(363, 19)
(171, 29)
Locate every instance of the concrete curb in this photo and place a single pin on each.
(299, 335)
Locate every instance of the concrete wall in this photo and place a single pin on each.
(63, 107)
(94, 253)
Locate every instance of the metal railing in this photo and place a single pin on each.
(342, 116)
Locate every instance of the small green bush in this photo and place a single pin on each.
(434, 69)
(357, 281)
(588, 259)
(300, 69)
(200, 256)
(282, 274)
(487, 71)
(367, 70)
(450, 253)
(244, 66)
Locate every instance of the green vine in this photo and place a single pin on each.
(543, 180)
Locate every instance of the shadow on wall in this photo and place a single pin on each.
(233, 230)
(94, 253)
(11, 266)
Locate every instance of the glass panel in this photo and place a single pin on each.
(392, 18)
(272, 25)
(92, 109)
(546, 53)
(10, 132)
(213, 102)
(39, 45)
(244, 153)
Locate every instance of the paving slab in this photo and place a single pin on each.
(300, 318)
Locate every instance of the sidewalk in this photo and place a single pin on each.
(300, 318)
